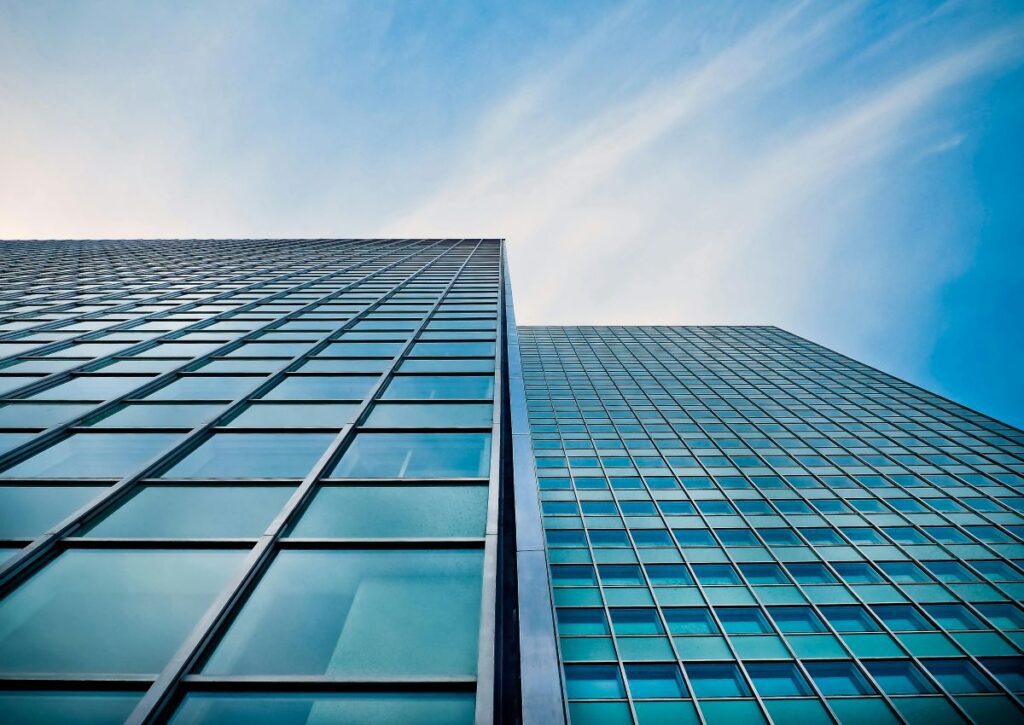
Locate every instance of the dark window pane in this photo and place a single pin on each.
(718, 680)
(899, 677)
(54, 707)
(654, 681)
(415, 455)
(778, 680)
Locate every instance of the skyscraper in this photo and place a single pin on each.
(327, 480)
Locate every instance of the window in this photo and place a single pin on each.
(38, 415)
(781, 679)
(208, 387)
(655, 681)
(109, 611)
(322, 387)
(959, 677)
(91, 387)
(94, 455)
(690, 620)
(764, 574)
(712, 574)
(1008, 670)
(593, 682)
(717, 680)
(810, 573)
(29, 511)
(581, 622)
(295, 415)
(253, 455)
(899, 677)
(850, 619)
(742, 620)
(1003, 615)
(194, 512)
(953, 616)
(416, 455)
(401, 512)
(157, 416)
(50, 707)
(447, 366)
(430, 415)
(452, 349)
(904, 572)
(323, 612)
(838, 678)
(796, 620)
(901, 618)
(857, 573)
(440, 387)
(668, 574)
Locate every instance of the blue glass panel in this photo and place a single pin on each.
(780, 679)
(211, 387)
(838, 678)
(899, 677)
(717, 680)
(38, 415)
(29, 511)
(655, 681)
(91, 387)
(959, 677)
(94, 455)
(322, 387)
(295, 415)
(690, 620)
(253, 455)
(593, 682)
(54, 707)
(415, 455)
(431, 415)
(158, 416)
(440, 387)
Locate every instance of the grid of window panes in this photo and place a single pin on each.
(743, 525)
(246, 480)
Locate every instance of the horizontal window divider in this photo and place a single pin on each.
(298, 683)
(86, 542)
(36, 682)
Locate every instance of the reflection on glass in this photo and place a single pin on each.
(415, 455)
(28, 511)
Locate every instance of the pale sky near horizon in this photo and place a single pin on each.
(850, 171)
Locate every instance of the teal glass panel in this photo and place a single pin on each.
(362, 349)
(690, 620)
(94, 455)
(322, 387)
(38, 415)
(341, 365)
(959, 676)
(742, 620)
(440, 387)
(91, 387)
(452, 349)
(9, 441)
(210, 387)
(839, 678)
(109, 611)
(401, 512)
(796, 620)
(899, 677)
(415, 455)
(453, 365)
(158, 416)
(342, 708)
(295, 415)
(655, 681)
(194, 512)
(1008, 670)
(581, 621)
(778, 679)
(29, 511)
(324, 613)
(717, 680)
(253, 455)
(431, 415)
(635, 621)
(53, 707)
(593, 682)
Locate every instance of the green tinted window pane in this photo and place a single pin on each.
(58, 708)
(38, 415)
(899, 677)
(326, 613)
(295, 415)
(651, 681)
(343, 708)
(403, 512)
(778, 680)
(322, 387)
(717, 680)
(91, 387)
(194, 512)
(158, 416)
(1008, 670)
(691, 620)
(338, 365)
(210, 387)
(593, 682)
(253, 455)
(109, 611)
(94, 455)
(447, 366)
(29, 511)
(13, 382)
(431, 415)
(581, 621)
(9, 441)
(959, 677)
(416, 455)
(440, 387)
(838, 678)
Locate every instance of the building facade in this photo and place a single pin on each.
(319, 481)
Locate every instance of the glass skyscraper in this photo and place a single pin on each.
(320, 481)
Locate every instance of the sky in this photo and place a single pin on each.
(850, 171)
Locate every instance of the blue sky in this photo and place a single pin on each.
(850, 171)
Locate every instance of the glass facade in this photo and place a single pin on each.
(331, 480)
(742, 526)
(206, 514)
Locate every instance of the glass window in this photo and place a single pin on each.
(635, 621)
(94, 455)
(855, 572)
(158, 416)
(655, 681)
(850, 618)
(899, 677)
(29, 511)
(668, 574)
(207, 387)
(717, 680)
(91, 387)
(295, 415)
(194, 512)
(447, 366)
(796, 620)
(905, 572)
(838, 678)
(322, 387)
(431, 415)
(38, 415)
(56, 707)
(690, 620)
(109, 611)
(712, 574)
(416, 455)
(953, 616)
(581, 621)
(452, 349)
(440, 387)
(1003, 615)
(402, 512)
(810, 573)
(324, 612)
(778, 679)
(343, 708)
(901, 618)
(764, 573)
(594, 682)
(742, 620)
(9, 441)
(1008, 670)
(959, 677)
(253, 455)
